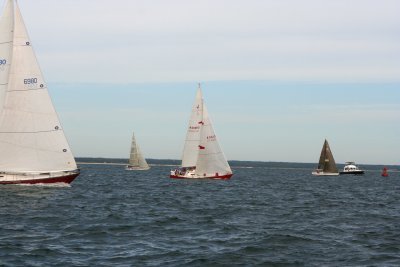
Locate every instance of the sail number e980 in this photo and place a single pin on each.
(30, 81)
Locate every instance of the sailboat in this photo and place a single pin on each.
(202, 154)
(136, 159)
(32, 141)
(326, 165)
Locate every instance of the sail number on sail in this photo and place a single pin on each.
(30, 81)
(3, 62)
(194, 128)
(211, 137)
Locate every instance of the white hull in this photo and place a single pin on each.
(131, 168)
(325, 173)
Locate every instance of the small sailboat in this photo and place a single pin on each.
(32, 142)
(136, 159)
(326, 165)
(202, 154)
(350, 167)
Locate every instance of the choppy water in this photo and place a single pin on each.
(113, 217)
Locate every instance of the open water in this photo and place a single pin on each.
(261, 217)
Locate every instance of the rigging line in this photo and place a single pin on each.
(6, 42)
(3, 83)
(49, 131)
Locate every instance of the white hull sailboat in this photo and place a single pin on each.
(326, 164)
(136, 160)
(202, 155)
(32, 142)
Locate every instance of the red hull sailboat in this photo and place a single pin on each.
(33, 146)
(202, 155)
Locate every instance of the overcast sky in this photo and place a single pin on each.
(159, 41)
(279, 76)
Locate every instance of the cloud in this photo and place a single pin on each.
(142, 41)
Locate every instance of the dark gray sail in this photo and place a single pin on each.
(326, 161)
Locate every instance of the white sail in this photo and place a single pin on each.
(190, 151)
(136, 159)
(211, 160)
(31, 137)
(6, 47)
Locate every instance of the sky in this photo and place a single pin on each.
(278, 77)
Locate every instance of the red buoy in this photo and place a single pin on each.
(384, 172)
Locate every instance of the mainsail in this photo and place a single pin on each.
(326, 161)
(191, 148)
(31, 136)
(136, 159)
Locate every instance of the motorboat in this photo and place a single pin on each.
(351, 168)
